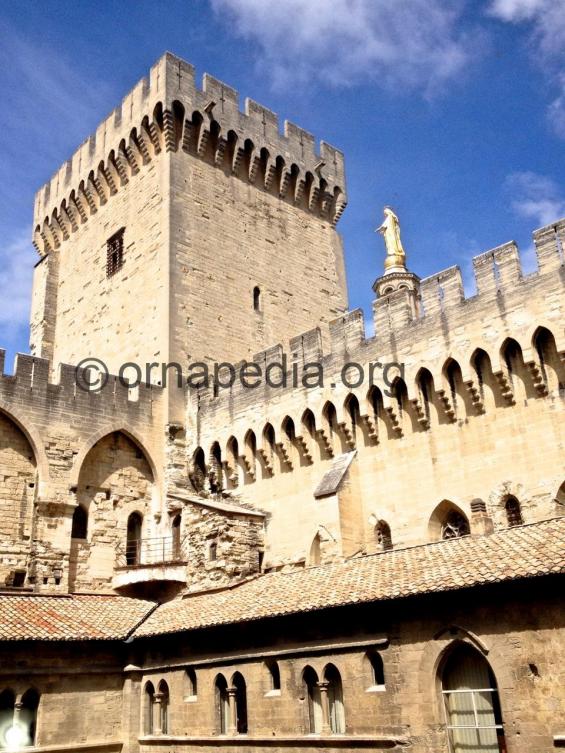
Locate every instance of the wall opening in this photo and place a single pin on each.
(472, 707)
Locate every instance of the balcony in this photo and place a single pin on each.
(151, 568)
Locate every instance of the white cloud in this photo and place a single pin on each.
(413, 43)
(536, 197)
(517, 10)
(547, 21)
(547, 17)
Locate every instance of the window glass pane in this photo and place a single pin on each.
(471, 704)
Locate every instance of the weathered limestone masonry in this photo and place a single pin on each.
(226, 222)
(477, 417)
(374, 562)
(54, 438)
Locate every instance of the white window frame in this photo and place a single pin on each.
(476, 726)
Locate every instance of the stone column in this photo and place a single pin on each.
(232, 722)
(157, 720)
(325, 704)
(132, 717)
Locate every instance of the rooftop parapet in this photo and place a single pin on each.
(31, 377)
(443, 304)
(143, 124)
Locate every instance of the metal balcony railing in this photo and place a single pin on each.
(159, 550)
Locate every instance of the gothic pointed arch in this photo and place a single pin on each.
(470, 697)
(18, 486)
(448, 521)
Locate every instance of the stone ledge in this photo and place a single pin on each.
(105, 747)
(305, 741)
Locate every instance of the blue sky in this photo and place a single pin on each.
(451, 111)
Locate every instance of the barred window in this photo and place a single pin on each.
(115, 253)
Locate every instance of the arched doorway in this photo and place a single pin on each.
(176, 537)
(472, 707)
(133, 543)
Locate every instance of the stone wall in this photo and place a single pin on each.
(48, 430)
(517, 628)
(215, 203)
(18, 485)
(478, 415)
(115, 481)
(503, 624)
(223, 545)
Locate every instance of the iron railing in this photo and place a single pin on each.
(159, 550)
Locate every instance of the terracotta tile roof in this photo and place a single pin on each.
(522, 552)
(69, 618)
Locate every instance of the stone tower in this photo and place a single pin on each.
(186, 230)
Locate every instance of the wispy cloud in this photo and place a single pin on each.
(17, 258)
(49, 106)
(45, 95)
(556, 110)
(536, 197)
(411, 43)
(547, 40)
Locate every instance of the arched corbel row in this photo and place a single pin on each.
(417, 404)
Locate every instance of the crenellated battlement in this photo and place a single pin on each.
(30, 381)
(438, 321)
(167, 112)
(437, 372)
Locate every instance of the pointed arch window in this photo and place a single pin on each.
(377, 670)
(222, 704)
(148, 699)
(163, 697)
(455, 525)
(274, 677)
(191, 683)
(28, 715)
(238, 683)
(472, 707)
(312, 692)
(7, 703)
(315, 557)
(335, 700)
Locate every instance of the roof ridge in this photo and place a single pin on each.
(425, 545)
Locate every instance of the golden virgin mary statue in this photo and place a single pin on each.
(395, 254)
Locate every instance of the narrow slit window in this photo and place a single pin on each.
(115, 253)
(256, 298)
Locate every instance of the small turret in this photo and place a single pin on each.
(396, 275)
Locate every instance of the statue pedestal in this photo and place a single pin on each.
(396, 279)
